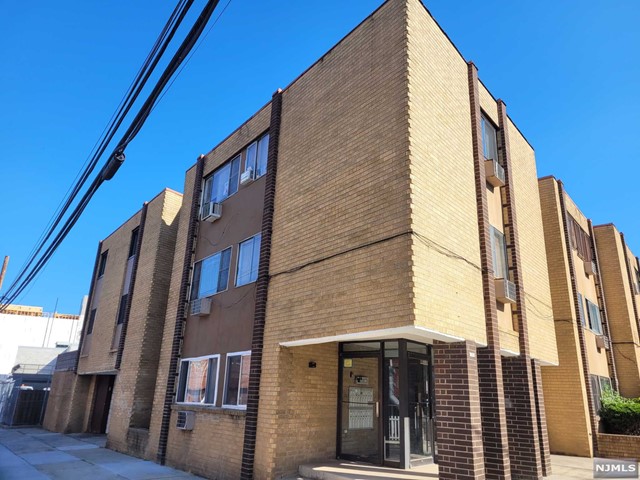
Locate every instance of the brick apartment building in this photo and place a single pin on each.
(112, 382)
(360, 272)
(586, 361)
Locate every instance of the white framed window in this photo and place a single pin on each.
(489, 140)
(222, 183)
(236, 380)
(248, 260)
(103, 263)
(595, 322)
(211, 275)
(499, 253)
(198, 383)
(256, 157)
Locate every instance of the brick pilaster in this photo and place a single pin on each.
(522, 420)
(459, 438)
(631, 281)
(181, 313)
(262, 286)
(494, 420)
(543, 437)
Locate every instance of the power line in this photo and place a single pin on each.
(116, 159)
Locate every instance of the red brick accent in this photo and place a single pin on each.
(619, 446)
(176, 345)
(524, 447)
(543, 437)
(494, 420)
(262, 286)
(459, 438)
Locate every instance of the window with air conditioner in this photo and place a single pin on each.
(248, 260)
(256, 156)
(499, 254)
(211, 275)
(198, 381)
(489, 140)
(222, 183)
(595, 322)
(236, 382)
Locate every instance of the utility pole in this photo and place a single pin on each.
(4, 270)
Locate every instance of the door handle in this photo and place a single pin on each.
(377, 409)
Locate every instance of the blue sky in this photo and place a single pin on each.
(567, 70)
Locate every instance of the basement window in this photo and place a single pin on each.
(236, 382)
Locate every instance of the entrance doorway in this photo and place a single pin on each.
(385, 413)
(101, 403)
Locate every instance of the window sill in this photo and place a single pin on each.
(211, 409)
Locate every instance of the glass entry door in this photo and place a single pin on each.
(360, 408)
(421, 421)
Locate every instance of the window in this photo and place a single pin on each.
(236, 383)
(223, 183)
(583, 318)
(198, 380)
(636, 285)
(103, 263)
(248, 260)
(211, 275)
(133, 245)
(122, 309)
(580, 240)
(595, 323)
(489, 140)
(499, 251)
(257, 154)
(598, 386)
(92, 319)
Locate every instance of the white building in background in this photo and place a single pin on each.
(27, 326)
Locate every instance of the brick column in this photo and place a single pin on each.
(522, 421)
(458, 431)
(543, 437)
(494, 419)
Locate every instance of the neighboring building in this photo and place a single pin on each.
(32, 327)
(360, 271)
(24, 393)
(109, 386)
(586, 364)
(620, 272)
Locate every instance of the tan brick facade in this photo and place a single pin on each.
(618, 266)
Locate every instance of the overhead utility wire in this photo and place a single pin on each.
(117, 157)
(116, 120)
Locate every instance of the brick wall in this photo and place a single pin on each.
(618, 446)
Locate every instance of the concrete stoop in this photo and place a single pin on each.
(343, 470)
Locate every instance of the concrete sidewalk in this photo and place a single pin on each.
(36, 454)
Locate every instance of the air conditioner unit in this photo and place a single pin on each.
(211, 212)
(505, 290)
(589, 268)
(602, 341)
(247, 176)
(186, 420)
(200, 307)
(494, 173)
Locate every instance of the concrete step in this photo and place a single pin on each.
(343, 470)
